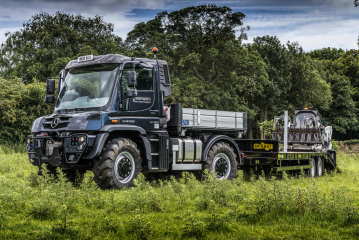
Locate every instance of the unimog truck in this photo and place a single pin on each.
(110, 117)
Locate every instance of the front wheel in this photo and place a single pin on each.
(118, 165)
(221, 160)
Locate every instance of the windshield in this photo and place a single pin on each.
(87, 87)
(299, 120)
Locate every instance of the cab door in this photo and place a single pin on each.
(145, 98)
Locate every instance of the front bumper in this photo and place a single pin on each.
(64, 148)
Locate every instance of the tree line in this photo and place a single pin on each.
(210, 66)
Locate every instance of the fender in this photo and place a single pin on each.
(215, 138)
(102, 137)
(122, 127)
(97, 147)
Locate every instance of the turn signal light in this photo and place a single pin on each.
(114, 121)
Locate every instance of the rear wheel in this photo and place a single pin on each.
(221, 159)
(118, 165)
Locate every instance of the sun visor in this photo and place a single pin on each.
(85, 61)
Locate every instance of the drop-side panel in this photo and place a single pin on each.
(226, 122)
(205, 121)
(212, 119)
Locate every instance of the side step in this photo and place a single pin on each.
(159, 151)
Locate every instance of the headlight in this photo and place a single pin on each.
(82, 139)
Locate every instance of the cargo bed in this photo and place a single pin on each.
(202, 119)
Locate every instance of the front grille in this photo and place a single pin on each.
(62, 122)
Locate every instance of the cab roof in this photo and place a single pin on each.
(109, 58)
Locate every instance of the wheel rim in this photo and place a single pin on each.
(320, 169)
(312, 170)
(124, 167)
(221, 166)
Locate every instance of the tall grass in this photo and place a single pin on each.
(33, 207)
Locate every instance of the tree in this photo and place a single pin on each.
(326, 53)
(356, 3)
(342, 73)
(20, 105)
(48, 42)
(190, 34)
(292, 80)
(342, 114)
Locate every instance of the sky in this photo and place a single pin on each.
(314, 24)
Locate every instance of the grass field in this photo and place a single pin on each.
(33, 207)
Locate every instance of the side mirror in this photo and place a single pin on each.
(131, 79)
(49, 99)
(131, 93)
(50, 86)
(50, 89)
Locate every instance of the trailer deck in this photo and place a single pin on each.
(265, 155)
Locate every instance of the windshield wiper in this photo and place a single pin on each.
(79, 109)
(64, 110)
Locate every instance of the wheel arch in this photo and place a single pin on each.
(213, 139)
(133, 132)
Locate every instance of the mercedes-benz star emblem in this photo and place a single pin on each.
(55, 122)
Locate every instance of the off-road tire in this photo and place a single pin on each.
(118, 152)
(221, 156)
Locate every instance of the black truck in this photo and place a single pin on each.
(110, 117)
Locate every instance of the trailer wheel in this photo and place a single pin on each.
(319, 167)
(221, 159)
(312, 171)
(118, 165)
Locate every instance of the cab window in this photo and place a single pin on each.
(144, 77)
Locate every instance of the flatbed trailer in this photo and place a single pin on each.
(264, 155)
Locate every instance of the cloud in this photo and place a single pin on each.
(313, 23)
(86, 6)
(16, 12)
